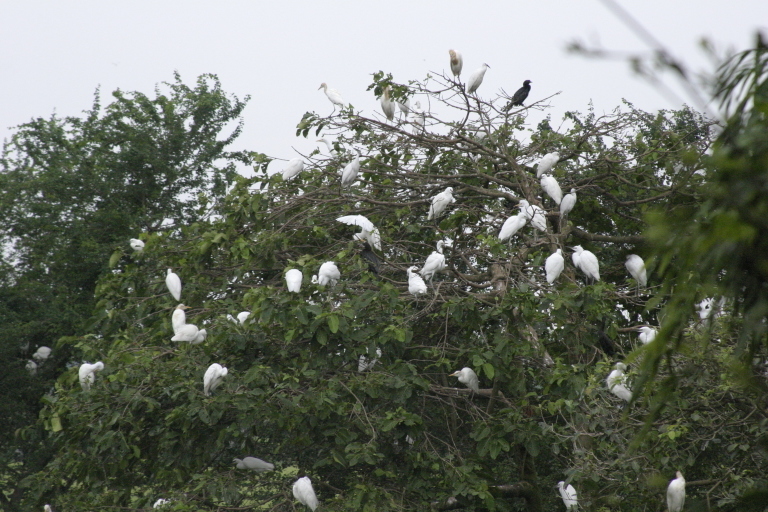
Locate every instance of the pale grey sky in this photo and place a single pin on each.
(55, 54)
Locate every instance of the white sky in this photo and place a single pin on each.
(55, 54)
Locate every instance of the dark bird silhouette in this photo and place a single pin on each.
(606, 343)
(370, 256)
(519, 97)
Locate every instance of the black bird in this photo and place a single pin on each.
(606, 343)
(519, 97)
(370, 256)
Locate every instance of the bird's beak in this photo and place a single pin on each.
(454, 374)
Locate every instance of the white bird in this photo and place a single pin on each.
(303, 491)
(87, 374)
(188, 332)
(636, 268)
(333, 95)
(293, 279)
(179, 317)
(161, 503)
(387, 105)
(254, 463)
(369, 231)
(405, 108)
(440, 202)
(468, 377)
(547, 162)
(534, 214)
(615, 382)
(586, 262)
(552, 188)
(647, 334)
(31, 367)
(328, 145)
(41, 354)
(293, 168)
(512, 225)
(137, 245)
(554, 265)
(476, 78)
(349, 174)
(435, 262)
(214, 375)
(47, 508)
(569, 496)
(173, 282)
(416, 284)
(676, 494)
(328, 274)
(456, 62)
(243, 316)
(363, 363)
(200, 337)
(567, 204)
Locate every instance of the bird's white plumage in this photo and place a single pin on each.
(293, 279)
(552, 188)
(416, 284)
(456, 62)
(468, 377)
(547, 162)
(568, 202)
(647, 334)
(328, 274)
(292, 168)
(512, 225)
(199, 337)
(369, 231)
(387, 105)
(349, 174)
(534, 214)
(440, 202)
(173, 282)
(187, 332)
(137, 245)
(179, 317)
(636, 268)
(676, 494)
(570, 499)
(435, 262)
(405, 108)
(160, 503)
(214, 375)
(305, 493)
(87, 374)
(254, 464)
(333, 95)
(42, 353)
(554, 265)
(31, 367)
(586, 262)
(363, 363)
(615, 383)
(243, 316)
(476, 78)
(47, 508)
(328, 145)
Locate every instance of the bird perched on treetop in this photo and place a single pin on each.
(468, 377)
(370, 257)
(552, 188)
(615, 383)
(293, 279)
(512, 225)
(520, 95)
(676, 494)
(476, 78)
(293, 168)
(440, 202)
(387, 105)
(305, 493)
(328, 274)
(456, 62)
(333, 95)
(586, 262)
(214, 376)
(569, 496)
(137, 245)
(369, 231)
(547, 162)
(87, 374)
(435, 262)
(554, 265)
(416, 284)
(173, 282)
(647, 334)
(349, 174)
(567, 203)
(253, 463)
(636, 268)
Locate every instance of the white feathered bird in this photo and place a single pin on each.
(534, 214)
(173, 282)
(570, 499)
(243, 316)
(586, 262)
(328, 274)
(476, 78)
(440, 202)
(293, 168)
(387, 105)
(213, 377)
(552, 188)
(305, 493)
(349, 174)
(636, 268)
(254, 464)
(41, 354)
(468, 377)
(293, 279)
(568, 202)
(179, 317)
(333, 95)
(435, 263)
(137, 245)
(676, 494)
(416, 284)
(554, 265)
(547, 162)
(87, 374)
(456, 62)
(512, 225)
(363, 363)
(615, 383)
(647, 334)
(369, 231)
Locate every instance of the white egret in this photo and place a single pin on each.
(179, 317)
(214, 375)
(87, 374)
(349, 174)
(435, 263)
(567, 204)
(137, 245)
(456, 62)
(328, 274)
(254, 463)
(333, 95)
(294, 167)
(468, 377)
(417, 122)
(405, 108)
(569, 496)
(41, 354)
(647, 334)
(586, 262)
(387, 105)
(363, 363)
(534, 214)
(636, 268)
(199, 337)
(552, 188)
(369, 231)
(31, 367)
(676, 494)
(476, 78)
(440, 202)
(615, 382)
(328, 145)
(547, 162)
(243, 316)
(188, 332)
(416, 284)
(512, 225)
(160, 503)
(554, 265)
(173, 282)
(293, 279)
(305, 493)
(47, 508)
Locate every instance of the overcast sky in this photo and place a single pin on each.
(56, 53)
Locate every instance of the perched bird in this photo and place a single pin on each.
(363, 363)
(456, 62)
(243, 316)
(369, 231)
(200, 337)
(468, 377)
(512, 225)
(253, 463)
(41, 354)
(647, 334)
(179, 317)
(520, 95)
(416, 284)
(303, 491)
(160, 503)
(435, 263)
(328, 145)
(676, 494)
(213, 377)
(567, 204)
(31, 367)
(552, 188)
(370, 256)
(554, 265)
(349, 174)
(534, 214)
(636, 268)
(476, 78)
(173, 282)
(333, 95)
(328, 274)
(440, 202)
(586, 262)
(137, 245)
(405, 107)
(606, 343)
(546, 163)
(293, 280)
(293, 168)
(87, 374)
(387, 105)
(569, 496)
(615, 382)
(189, 333)
(47, 508)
